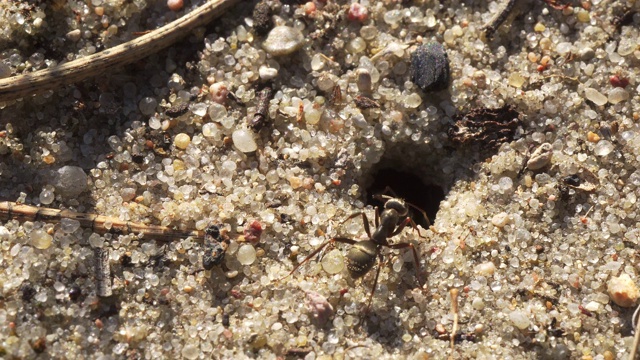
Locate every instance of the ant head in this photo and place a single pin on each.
(397, 205)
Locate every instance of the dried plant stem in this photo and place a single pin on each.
(493, 25)
(97, 223)
(636, 336)
(103, 272)
(454, 312)
(68, 73)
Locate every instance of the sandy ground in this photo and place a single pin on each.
(526, 163)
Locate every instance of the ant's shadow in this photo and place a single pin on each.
(383, 323)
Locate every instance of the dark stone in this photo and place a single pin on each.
(214, 247)
(262, 22)
(177, 110)
(363, 102)
(74, 293)
(430, 67)
(572, 180)
(28, 292)
(487, 127)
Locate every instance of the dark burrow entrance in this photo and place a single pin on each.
(409, 187)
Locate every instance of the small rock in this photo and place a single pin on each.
(586, 54)
(593, 137)
(593, 306)
(618, 81)
(246, 254)
(253, 232)
(69, 226)
(603, 148)
(358, 12)
(519, 319)
(541, 157)
(40, 239)
(333, 262)
(4, 233)
(320, 308)
(283, 40)
(583, 16)
(430, 67)
(411, 101)
(175, 5)
(74, 35)
(244, 141)
(516, 80)
(267, 73)
(257, 342)
(190, 351)
(70, 181)
(181, 141)
(617, 95)
(219, 92)
(563, 48)
(47, 196)
(217, 112)
(623, 291)
(176, 82)
(485, 269)
(500, 220)
(477, 303)
(595, 96)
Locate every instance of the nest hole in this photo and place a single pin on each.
(409, 187)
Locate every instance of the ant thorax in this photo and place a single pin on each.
(388, 221)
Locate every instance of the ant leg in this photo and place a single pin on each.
(389, 190)
(344, 240)
(383, 197)
(424, 213)
(401, 226)
(375, 282)
(415, 228)
(376, 220)
(416, 259)
(317, 250)
(365, 221)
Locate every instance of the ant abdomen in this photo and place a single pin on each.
(361, 258)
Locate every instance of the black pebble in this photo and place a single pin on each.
(572, 180)
(28, 292)
(262, 22)
(177, 110)
(430, 67)
(214, 249)
(74, 293)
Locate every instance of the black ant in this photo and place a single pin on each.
(362, 255)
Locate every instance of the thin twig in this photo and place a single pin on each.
(493, 24)
(454, 311)
(97, 223)
(68, 73)
(103, 272)
(636, 336)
